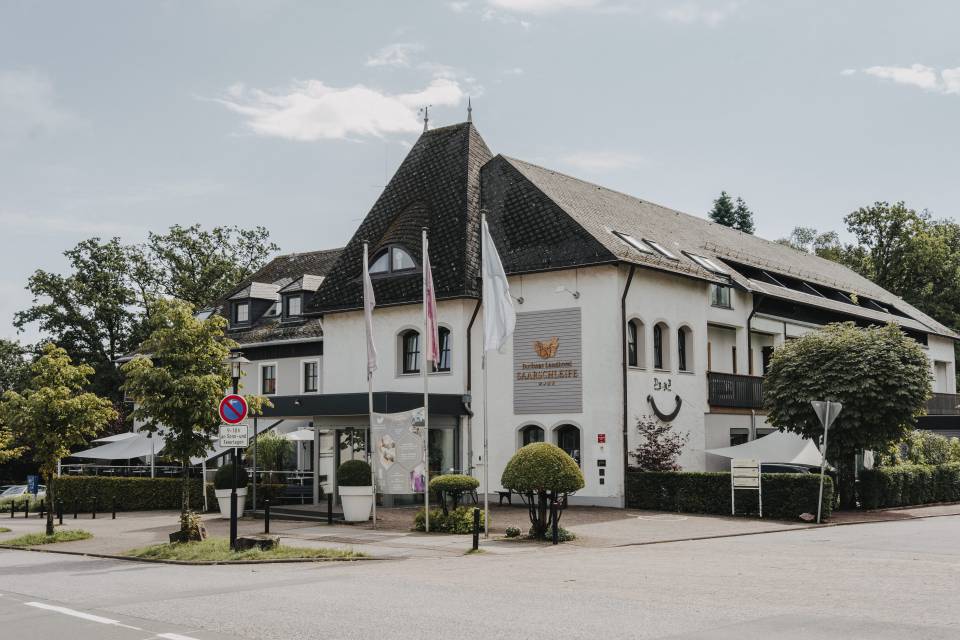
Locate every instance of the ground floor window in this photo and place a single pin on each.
(568, 439)
(530, 434)
(739, 436)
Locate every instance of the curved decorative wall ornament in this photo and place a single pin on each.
(666, 417)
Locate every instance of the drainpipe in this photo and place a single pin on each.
(756, 302)
(469, 393)
(623, 355)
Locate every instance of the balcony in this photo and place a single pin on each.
(730, 390)
(943, 404)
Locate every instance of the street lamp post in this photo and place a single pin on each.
(236, 361)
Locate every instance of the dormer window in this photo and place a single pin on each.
(292, 306)
(393, 259)
(241, 312)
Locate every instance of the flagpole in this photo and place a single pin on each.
(371, 447)
(424, 366)
(486, 462)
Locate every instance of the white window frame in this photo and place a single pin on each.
(303, 375)
(632, 242)
(236, 312)
(662, 250)
(286, 305)
(276, 378)
(707, 264)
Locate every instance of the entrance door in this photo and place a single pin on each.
(568, 439)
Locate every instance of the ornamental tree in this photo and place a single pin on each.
(179, 380)
(659, 445)
(541, 472)
(879, 374)
(54, 414)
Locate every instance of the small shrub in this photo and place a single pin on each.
(562, 535)
(223, 478)
(512, 532)
(354, 473)
(459, 520)
(452, 485)
(542, 472)
(909, 484)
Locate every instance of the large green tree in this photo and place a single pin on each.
(737, 216)
(14, 367)
(743, 217)
(54, 414)
(880, 375)
(199, 266)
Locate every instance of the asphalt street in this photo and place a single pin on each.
(873, 581)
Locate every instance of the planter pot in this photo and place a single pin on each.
(357, 503)
(223, 498)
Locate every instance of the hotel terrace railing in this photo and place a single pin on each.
(731, 390)
(943, 404)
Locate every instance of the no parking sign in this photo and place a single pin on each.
(233, 409)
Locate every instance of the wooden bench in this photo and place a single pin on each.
(506, 494)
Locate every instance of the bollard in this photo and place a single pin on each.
(553, 518)
(93, 510)
(266, 515)
(43, 507)
(60, 511)
(476, 529)
(113, 515)
(13, 507)
(76, 508)
(329, 508)
(26, 508)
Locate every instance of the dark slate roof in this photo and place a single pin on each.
(437, 186)
(544, 219)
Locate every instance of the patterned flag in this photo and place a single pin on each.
(499, 317)
(430, 300)
(369, 302)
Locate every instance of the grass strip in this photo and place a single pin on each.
(34, 539)
(218, 549)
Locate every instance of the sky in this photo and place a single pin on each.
(118, 118)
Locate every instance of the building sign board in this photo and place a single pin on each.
(398, 451)
(234, 435)
(744, 474)
(547, 362)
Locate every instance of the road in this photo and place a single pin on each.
(875, 581)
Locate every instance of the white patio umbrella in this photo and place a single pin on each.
(137, 445)
(117, 437)
(780, 446)
(300, 435)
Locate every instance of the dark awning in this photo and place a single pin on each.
(355, 404)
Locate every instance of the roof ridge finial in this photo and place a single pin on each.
(426, 117)
(469, 110)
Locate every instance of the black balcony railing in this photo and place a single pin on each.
(730, 390)
(943, 404)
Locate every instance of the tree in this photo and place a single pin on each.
(659, 446)
(91, 312)
(879, 374)
(723, 211)
(541, 472)
(177, 386)
(273, 452)
(199, 266)
(54, 413)
(14, 368)
(743, 217)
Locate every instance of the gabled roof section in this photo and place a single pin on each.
(258, 291)
(437, 186)
(305, 283)
(599, 212)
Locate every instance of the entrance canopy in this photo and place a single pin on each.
(779, 446)
(135, 445)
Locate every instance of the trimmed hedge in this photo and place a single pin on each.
(785, 495)
(131, 494)
(909, 484)
(459, 520)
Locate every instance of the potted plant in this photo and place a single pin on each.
(356, 490)
(222, 483)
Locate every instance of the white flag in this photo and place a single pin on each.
(499, 318)
(432, 350)
(369, 302)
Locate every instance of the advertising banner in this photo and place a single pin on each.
(398, 451)
(547, 362)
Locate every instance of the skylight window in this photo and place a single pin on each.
(633, 242)
(708, 264)
(660, 249)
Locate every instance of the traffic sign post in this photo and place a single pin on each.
(827, 411)
(233, 411)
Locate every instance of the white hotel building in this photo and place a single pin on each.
(625, 308)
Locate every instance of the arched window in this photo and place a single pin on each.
(393, 259)
(443, 347)
(530, 434)
(410, 351)
(661, 346)
(636, 353)
(568, 439)
(685, 349)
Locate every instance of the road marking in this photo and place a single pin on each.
(80, 614)
(174, 636)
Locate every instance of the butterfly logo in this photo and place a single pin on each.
(546, 349)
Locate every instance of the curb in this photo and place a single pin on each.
(108, 556)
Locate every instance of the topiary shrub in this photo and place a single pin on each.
(354, 473)
(459, 520)
(909, 484)
(223, 479)
(542, 472)
(452, 485)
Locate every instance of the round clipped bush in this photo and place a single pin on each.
(353, 473)
(453, 485)
(223, 479)
(542, 467)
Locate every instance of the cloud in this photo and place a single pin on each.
(542, 6)
(28, 105)
(311, 110)
(458, 7)
(598, 161)
(695, 13)
(515, 71)
(943, 81)
(397, 54)
(17, 222)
